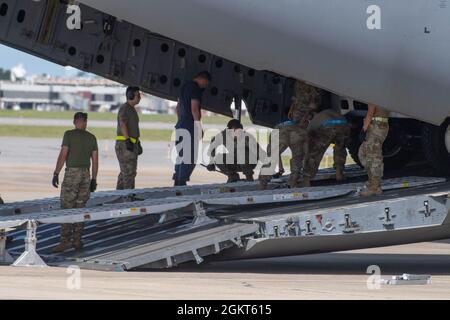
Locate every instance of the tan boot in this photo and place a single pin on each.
(306, 182)
(63, 246)
(78, 245)
(77, 236)
(249, 178)
(262, 185)
(65, 242)
(294, 181)
(372, 189)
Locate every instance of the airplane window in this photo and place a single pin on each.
(164, 47)
(137, 43)
(181, 53)
(100, 59)
(72, 51)
(21, 16)
(3, 9)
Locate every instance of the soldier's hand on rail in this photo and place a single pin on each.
(55, 180)
(130, 145)
(93, 186)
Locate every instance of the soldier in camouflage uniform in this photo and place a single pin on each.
(375, 131)
(128, 146)
(239, 144)
(294, 134)
(327, 127)
(79, 148)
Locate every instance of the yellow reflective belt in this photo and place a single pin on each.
(381, 119)
(122, 138)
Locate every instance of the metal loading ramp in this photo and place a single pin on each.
(165, 232)
(169, 252)
(120, 196)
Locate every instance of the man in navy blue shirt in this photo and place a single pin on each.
(188, 128)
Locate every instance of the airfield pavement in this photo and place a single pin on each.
(26, 167)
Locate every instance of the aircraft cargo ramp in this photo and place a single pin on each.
(165, 227)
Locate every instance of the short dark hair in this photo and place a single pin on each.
(80, 116)
(204, 75)
(234, 124)
(131, 92)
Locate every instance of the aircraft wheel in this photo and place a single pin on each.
(396, 156)
(436, 146)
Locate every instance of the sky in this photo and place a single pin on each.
(35, 66)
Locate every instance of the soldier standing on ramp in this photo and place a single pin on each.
(79, 148)
(375, 131)
(294, 133)
(128, 146)
(326, 127)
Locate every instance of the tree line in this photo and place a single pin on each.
(5, 74)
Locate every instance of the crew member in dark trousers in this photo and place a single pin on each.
(189, 130)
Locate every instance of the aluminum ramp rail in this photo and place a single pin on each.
(182, 207)
(159, 206)
(105, 197)
(422, 215)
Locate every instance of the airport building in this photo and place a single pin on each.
(44, 94)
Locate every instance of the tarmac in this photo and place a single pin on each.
(26, 167)
(339, 276)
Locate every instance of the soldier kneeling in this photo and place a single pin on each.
(243, 152)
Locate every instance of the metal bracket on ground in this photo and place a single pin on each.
(408, 279)
(238, 242)
(200, 217)
(30, 258)
(197, 257)
(5, 257)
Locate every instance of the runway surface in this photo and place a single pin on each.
(325, 276)
(26, 167)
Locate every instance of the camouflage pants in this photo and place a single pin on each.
(319, 141)
(295, 138)
(371, 151)
(74, 194)
(128, 166)
(232, 169)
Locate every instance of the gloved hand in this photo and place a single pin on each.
(55, 181)
(362, 136)
(140, 149)
(93, 186)
(130, 145)
(211, 167)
